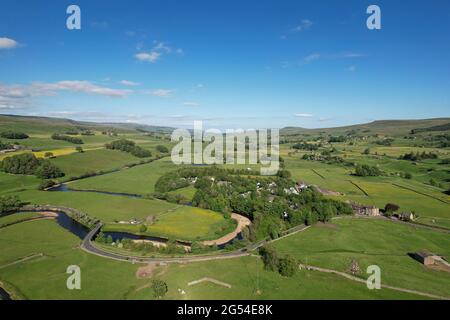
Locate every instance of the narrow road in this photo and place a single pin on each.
(88, 246)
(353, 278)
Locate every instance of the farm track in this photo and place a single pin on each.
(353, 278)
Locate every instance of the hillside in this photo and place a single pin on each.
(381, 127)
(37, 125)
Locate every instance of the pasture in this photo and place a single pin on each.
(373, 242)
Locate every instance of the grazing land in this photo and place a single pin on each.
(152, 197)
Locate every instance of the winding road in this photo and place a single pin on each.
(88, 246)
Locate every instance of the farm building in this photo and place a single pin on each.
(425, 257)
(365, 210)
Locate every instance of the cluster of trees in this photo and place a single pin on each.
(418, 156)
(14, 135)
(286, 266)
(267, 201)
(57, 136)
(162, 149)
(27, 163)
(143, 248)
(130, 147)
(365, 170)
(5, 146)
(305, 146)
(385, 142)
(326, 158)
(182, 178)
(337, 139)
(9, 204)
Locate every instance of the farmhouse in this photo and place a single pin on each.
(360, 209)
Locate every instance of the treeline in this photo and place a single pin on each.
(443, 127)
(28, 164)
(418, 156)
(144, 248)
(385, 142)
(367, 171)
(305, 146)
(74, 140)
(14, 135)
(337, 139)
(130, 147)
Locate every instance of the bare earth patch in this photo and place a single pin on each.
(242, 223)
(146, 271)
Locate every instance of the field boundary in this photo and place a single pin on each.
(361, 189)
(421, 193)
(360, 280)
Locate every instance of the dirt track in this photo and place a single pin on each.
(242, 223)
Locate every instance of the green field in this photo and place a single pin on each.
(48, 249)
(137, 180)
(107, 208)
(431, 205)
(77, 164)
(45, 277)
(374, 242)
(183, 223)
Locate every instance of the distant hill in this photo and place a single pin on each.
(36, 125)
(381, 127)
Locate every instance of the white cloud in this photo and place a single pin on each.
(312, 57)
(129, 83)
(304, 115)
(305, 24)
(191, 104)
(333, 56)
(159, 49)
(7, 43)
(162, 93)
(161, 46)
(151, 57)
(78, 86)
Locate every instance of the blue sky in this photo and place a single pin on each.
(230, 63)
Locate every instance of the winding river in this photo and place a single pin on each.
(79, 230)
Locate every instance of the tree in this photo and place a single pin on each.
(159, 288)
(367, 151)
(287, 266)
(391, 207)
(269, 257)
(9, 204)
(142, 228)
(5, 146)
(79, 149)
